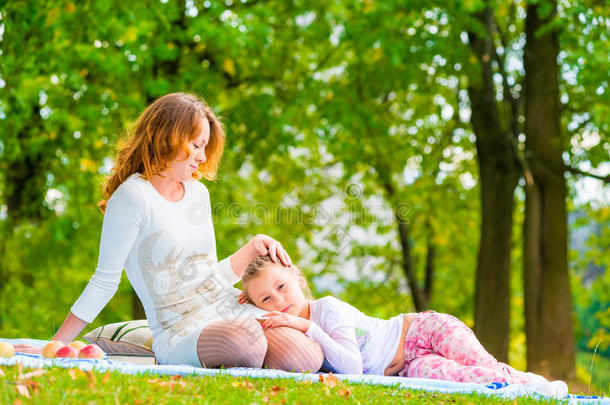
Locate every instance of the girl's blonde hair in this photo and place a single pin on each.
(262, 262)
(161, 132)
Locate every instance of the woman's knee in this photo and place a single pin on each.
(290, 350)
(236, 342)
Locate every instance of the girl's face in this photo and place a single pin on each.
(278, 289)
(182, 168)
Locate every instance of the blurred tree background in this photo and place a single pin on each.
(409, 155)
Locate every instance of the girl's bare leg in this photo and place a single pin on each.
(290, 350)
(236, 342)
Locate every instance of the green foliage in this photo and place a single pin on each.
(592, 290)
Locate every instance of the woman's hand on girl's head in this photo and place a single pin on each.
(265, 245)
(260, 245)
(276, 318)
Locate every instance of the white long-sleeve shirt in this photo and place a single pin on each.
(168, 251)
(352, 342)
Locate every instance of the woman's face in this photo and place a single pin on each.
(277, 288)
(182, 168)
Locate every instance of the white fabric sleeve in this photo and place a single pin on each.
(122, 220)
(340, 347)
(226, 271)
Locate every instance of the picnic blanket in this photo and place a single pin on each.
(502, 390)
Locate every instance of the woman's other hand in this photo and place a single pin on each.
(29, 349)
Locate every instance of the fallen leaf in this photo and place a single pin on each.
(106, 378)
(2, 373)
(169, 384)
(17, 402)
(32, 385)
(330, 380)
(266, 398)
(22, 390)
(345, 392)
(72, 373)
(92, 381)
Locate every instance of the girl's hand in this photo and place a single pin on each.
(265, 245)
(276, 318)
(242, 298)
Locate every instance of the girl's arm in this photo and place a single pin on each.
(340, 348)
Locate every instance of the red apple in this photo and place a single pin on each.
(51, 348)
(91, 352)
(66, 351)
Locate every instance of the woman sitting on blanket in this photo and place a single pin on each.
(158, 227)
(425, 345)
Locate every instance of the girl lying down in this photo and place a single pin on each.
(424, 345)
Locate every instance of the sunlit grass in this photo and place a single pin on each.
(73, 386)
(593, 371)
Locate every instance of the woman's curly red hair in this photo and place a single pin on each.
(163, 129)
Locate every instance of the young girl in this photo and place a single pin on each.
(425, 345)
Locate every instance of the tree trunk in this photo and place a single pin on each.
(548, 300)
(430, 264)
(419, 300)
(498, 173)
(407, 265)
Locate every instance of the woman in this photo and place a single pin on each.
(158, 227)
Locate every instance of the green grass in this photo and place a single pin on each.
(594, 369)
(66, 386)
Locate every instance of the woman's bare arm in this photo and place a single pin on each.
(69, 330)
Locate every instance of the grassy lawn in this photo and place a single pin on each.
(66, 386)
(595, 369)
